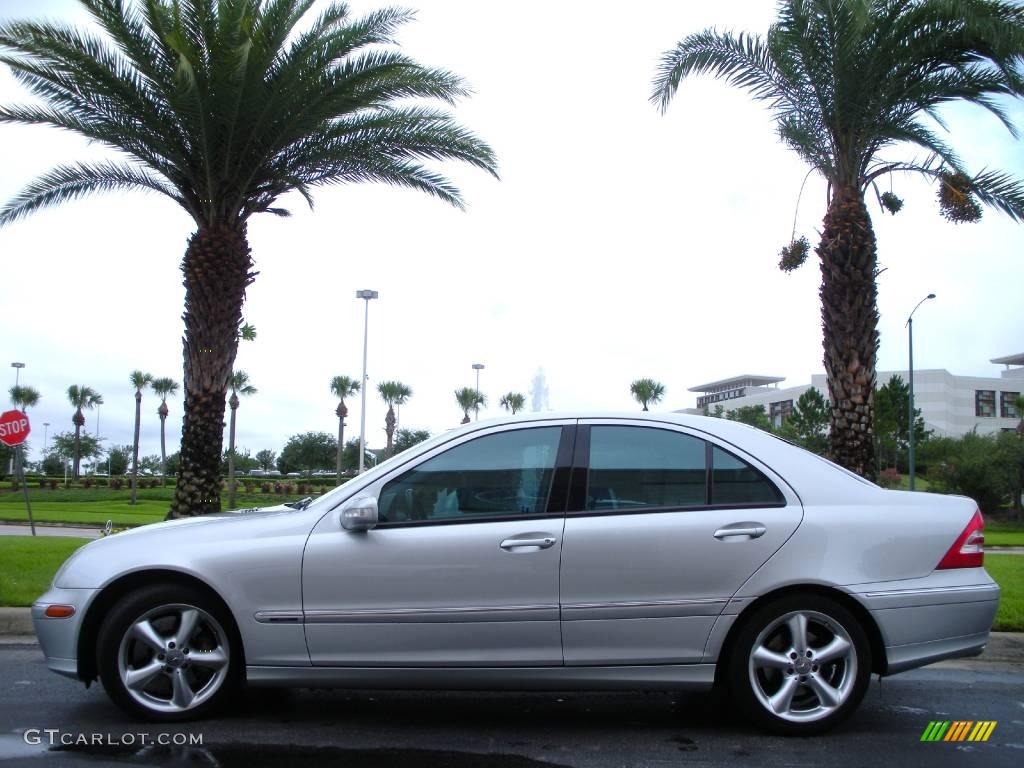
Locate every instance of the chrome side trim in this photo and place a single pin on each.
(926, 596)
(278, 617)
(654, 609)
(434, 615)
(658, 677)
(931, 590)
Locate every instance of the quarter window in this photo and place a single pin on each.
(733, 481)
(636, 467)
(504, 474)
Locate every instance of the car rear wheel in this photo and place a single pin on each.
(800, 665)
(169, 653)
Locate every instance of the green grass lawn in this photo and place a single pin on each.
(1008, 571)
(27, 565)
(1004, 534)
(94, 506)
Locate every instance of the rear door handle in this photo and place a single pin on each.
(750, 530)
(540, 543)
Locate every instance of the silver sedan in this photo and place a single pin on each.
(576, 552)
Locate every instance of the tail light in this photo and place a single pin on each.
(968, 551)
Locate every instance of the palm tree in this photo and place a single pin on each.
(164, 388)
(139, 381)
(392, 393)
(513, 401)
(849, 80)
(342, 387)
(240, 385)
(469, 400)
(22, 398)
(647, 392)
(223, 107)
(81, 399)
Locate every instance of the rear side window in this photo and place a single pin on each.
(633, 468)
(500, 475)
(636, 467)
(733, 481)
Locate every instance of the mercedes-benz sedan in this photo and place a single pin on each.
(545, 552)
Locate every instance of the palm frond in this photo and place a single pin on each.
(69, 182)
(1000, 191)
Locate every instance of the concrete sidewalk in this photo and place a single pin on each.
(48, 529)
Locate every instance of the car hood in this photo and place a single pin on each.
(169, 543)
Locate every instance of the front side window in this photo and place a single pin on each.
(636, 467)
(500, 475)
(984, 402)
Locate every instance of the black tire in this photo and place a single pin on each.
(751, 685)
(165, 605)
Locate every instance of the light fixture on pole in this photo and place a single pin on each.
(910, 416)
(478, 367)
(366, 296)
(17, 371)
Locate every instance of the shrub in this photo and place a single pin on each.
(889, 478)
(43, 482)
(53, 484)
(116, 483)
(266, 487)
(87, 482)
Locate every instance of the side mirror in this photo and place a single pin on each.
(360, 515)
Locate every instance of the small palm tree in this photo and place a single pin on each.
(393, 393)
(513, 401)
(81, 399)
(139, 381)
(240, 385)
(469, 400)
(164, 388)
(224, 107)
(852, 84)
(342, 387)
(647, 392)
(23, 397)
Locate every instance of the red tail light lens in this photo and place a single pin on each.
(968, 551)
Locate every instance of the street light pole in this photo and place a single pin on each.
(366, 296)
(478, 367)
(46, 431)
(910, 416)
(17, 377)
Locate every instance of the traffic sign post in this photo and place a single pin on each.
(14, 430)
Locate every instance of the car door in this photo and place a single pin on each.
(462, 568)
(664, 525)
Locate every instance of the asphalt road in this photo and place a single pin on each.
(511, 730)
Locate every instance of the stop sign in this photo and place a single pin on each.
(13, 427)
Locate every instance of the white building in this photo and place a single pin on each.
(950, 405)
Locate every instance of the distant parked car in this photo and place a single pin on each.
(294, 474)
(541, 552)
(257, 473)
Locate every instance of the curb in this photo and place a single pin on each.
(16, 621)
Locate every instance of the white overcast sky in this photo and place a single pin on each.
(619, 243)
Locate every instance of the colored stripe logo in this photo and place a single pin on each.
(959, 730)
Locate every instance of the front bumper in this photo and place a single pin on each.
(58, 638)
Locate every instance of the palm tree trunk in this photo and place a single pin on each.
(162, 412)
(231, 452)
(342, 412)
(135, 445)
(389, 427)
(849, 314)
(78, 420)
(217, 268)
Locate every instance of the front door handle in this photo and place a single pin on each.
(750, 530)
(540, 543)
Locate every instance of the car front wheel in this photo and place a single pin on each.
(800, 665)
(168, 653)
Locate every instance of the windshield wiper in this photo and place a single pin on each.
(300, 504)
